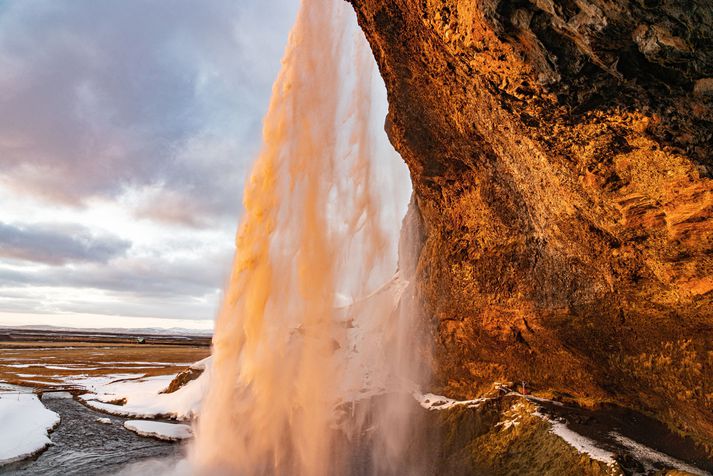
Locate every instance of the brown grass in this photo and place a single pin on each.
(90, 359)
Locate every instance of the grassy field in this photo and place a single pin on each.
(55, 361)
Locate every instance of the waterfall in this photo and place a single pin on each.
(313, 360)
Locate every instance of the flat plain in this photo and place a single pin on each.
(66, 359)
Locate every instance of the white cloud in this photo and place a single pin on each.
(98, 97)
(57, 244)
(126, 129)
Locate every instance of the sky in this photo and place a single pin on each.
(126, 132)
(127, 129)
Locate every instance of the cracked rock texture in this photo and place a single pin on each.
(560, 152)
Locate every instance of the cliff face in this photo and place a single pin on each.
(560, 152)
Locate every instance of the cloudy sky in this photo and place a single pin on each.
(127, 129)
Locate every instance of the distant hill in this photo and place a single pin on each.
(154, 335)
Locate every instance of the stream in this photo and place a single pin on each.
(83, 446)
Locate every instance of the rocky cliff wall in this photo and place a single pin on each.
(560, 152)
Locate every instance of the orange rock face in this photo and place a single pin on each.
(561, 159)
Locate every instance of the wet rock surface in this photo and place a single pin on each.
(613, 427)
(510, 433)
(84, 446)
(513, 435)
(560, 152)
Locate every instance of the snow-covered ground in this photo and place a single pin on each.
(142, 397)
(24, 424)
(580, 442)
(160, 430)
(431, 401)
(651, 459)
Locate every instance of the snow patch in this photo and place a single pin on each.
(650, 457)
(39, 382)
(129, 363)
(24, 424)
(92, 383)
(201, 364)
(580, 442)
(67, 367)
(143, 397)
(431, 401)
(160, 430)
(532, 398)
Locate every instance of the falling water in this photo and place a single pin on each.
(292, 355)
